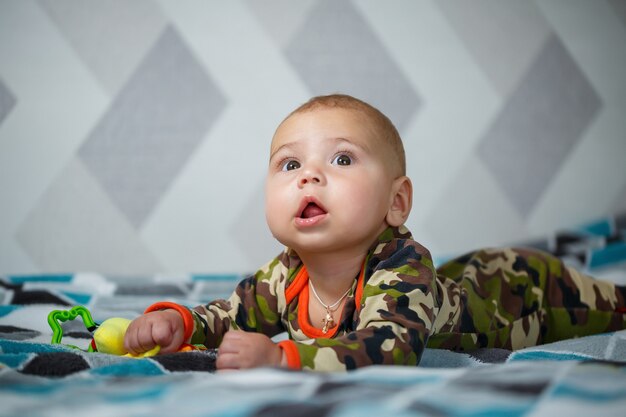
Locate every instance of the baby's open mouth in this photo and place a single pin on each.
(312, 210)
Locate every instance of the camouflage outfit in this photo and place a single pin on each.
(510, 298)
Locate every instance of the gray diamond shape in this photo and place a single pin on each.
(96, 236)
(110, 37)
(480, 25)
(336, 51)
(152, 127)
(619, 6)
(536, 129)
(7, 101)
(280, 18)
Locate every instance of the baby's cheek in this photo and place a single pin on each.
(277, 219)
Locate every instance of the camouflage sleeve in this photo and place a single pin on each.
(394, 319)
(252, 307)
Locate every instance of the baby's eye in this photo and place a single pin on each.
(342, 160)
(291, 165)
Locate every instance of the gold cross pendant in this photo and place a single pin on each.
(328, 321)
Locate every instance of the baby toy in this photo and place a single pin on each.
(108, 337)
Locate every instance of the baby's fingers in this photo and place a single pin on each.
(132, 342)
(138, 338)
(160, 328)
(169, 337)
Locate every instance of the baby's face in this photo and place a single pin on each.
(328, 186)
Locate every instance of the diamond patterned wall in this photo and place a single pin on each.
(143, 141)
(534, 132)
(134, 135)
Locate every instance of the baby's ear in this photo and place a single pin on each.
(401, 201)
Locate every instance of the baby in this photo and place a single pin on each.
(352, 288)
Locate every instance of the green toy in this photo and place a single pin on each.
(108, 337)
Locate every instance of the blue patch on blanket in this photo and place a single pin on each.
(57, 360)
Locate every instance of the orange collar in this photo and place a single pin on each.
(299, 287)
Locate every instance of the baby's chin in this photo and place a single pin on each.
(306, 244)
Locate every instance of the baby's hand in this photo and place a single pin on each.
(240, 350)
(164, 328)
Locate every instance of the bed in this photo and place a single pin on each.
(585, 376)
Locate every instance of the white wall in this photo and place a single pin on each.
(134, 135)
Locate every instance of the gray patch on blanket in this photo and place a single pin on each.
(441, 358)
(490, 355)
(343, 389)
(195, 361)
(15, 294)
(154, 289)
(78, 335)
(289, 410)
(55, 364)
(428, 410)
(17, 333)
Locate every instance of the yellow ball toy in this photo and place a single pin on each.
(109, 338)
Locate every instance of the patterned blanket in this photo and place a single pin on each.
(585, 376)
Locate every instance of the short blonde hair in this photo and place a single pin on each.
(381, 124)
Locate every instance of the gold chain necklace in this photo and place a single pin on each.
(328, 321)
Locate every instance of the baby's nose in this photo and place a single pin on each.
(310, 177)
(314, 179)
